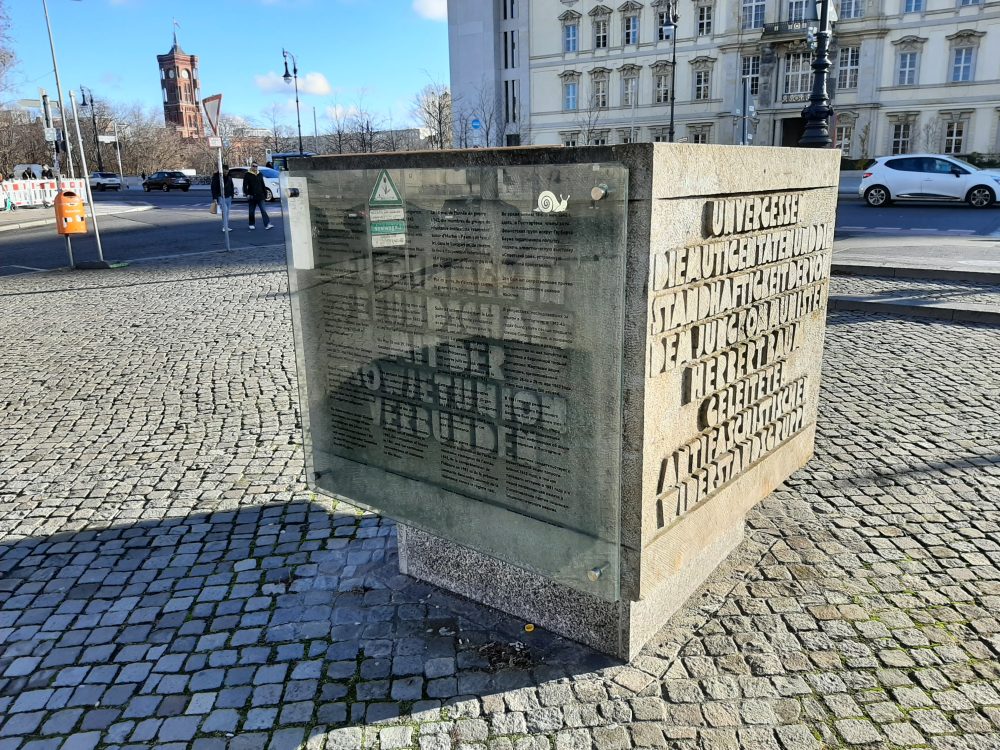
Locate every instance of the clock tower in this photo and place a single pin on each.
(181, 89)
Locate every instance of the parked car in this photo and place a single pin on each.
(105, 181)
(271, 182)
(166, 181)
(928, 177)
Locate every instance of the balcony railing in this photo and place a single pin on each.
(788, 28)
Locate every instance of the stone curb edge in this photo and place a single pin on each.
(917, 308)
(897, 272)
(51, 220)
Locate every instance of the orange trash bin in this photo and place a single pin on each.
(70, 214)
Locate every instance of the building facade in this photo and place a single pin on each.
(906, 75)
(181, 89)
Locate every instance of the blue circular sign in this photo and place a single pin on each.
(475, 123)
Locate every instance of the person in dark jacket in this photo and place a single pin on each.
(256, 193)
(223, 193)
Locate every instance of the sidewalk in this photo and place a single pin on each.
(167, 579)
(26, 218)
(957, 279)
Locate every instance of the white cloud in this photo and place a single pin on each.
(310, 83)
(340, 112)
(435, 10)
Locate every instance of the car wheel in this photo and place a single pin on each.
(877, 195)
(269, 196)
(980, 197)
(100, 188)
(165, 188)
(185, 189)
(146, 188)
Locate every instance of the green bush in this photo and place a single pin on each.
(983, 161)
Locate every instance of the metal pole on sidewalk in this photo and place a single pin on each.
(90, 194)
(59, 93)
(118, 150)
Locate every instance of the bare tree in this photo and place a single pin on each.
(6, 52)
(588, 120)
(432, 109)
(282, 138)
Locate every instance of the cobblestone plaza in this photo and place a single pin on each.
(166, 578)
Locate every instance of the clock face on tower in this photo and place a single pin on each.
(185, 74)
(171, 74)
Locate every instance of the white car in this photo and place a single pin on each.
(105, 181)
(271, 182)
(928, 177)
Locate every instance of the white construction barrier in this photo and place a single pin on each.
(24, 193)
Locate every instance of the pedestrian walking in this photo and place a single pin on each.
(256, 193)
(222, 191)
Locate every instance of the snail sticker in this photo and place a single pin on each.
(549, 204)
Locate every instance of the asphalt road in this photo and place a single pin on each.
(181, 224)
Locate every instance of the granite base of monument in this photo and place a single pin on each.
(568, 373)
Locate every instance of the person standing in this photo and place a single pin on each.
(223, 193)
(47, 173)
(256, 193)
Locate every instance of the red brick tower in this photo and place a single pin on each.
(181, 89)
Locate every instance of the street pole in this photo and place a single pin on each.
(59, 93)
(118, 151)
(315, 130)
(745, 129)
(93, 119)
(816, 133)
(674, 18)
(295, 77)
(90, 194)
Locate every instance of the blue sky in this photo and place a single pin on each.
(378, 53)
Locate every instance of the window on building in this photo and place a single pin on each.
(571, 37)
(954, 137)
(913, 6)
(601, 93)
(901, 138)
(969, 2)
(511, 93)
(851, 8)
(627, 136)
(571, 95)
(509, 49)
(662, 88)
(843, 136)
(798, 73)
(164, 96)
(699, 137)
(962, 62)
(570, 140)
(600, 33)
(752, 15)
(630, 29)
(797, 10)
(704, 20)
(750, 68)
(702, 85)
(599, 139)
(906, 73)
(630, 87)
(509, 7)
(664, 26)
(661, 137)
(848, 64)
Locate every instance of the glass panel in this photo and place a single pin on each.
(459, 336)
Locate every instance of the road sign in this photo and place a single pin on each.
(214, 141)
(106, 139)
(213, 107)
(51, 135)
(386, 213)
(476, 124)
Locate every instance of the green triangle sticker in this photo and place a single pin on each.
(385, 192)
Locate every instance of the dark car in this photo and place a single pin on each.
(166, 181)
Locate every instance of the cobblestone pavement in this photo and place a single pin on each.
(963, 292)
(165, 578)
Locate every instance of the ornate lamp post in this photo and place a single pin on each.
(819, 110)
(289, 77)
(674, 19)
(84, 90)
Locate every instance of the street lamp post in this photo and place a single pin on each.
(817, 114)
(289, 77)
(84, 90)
(674, 18)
